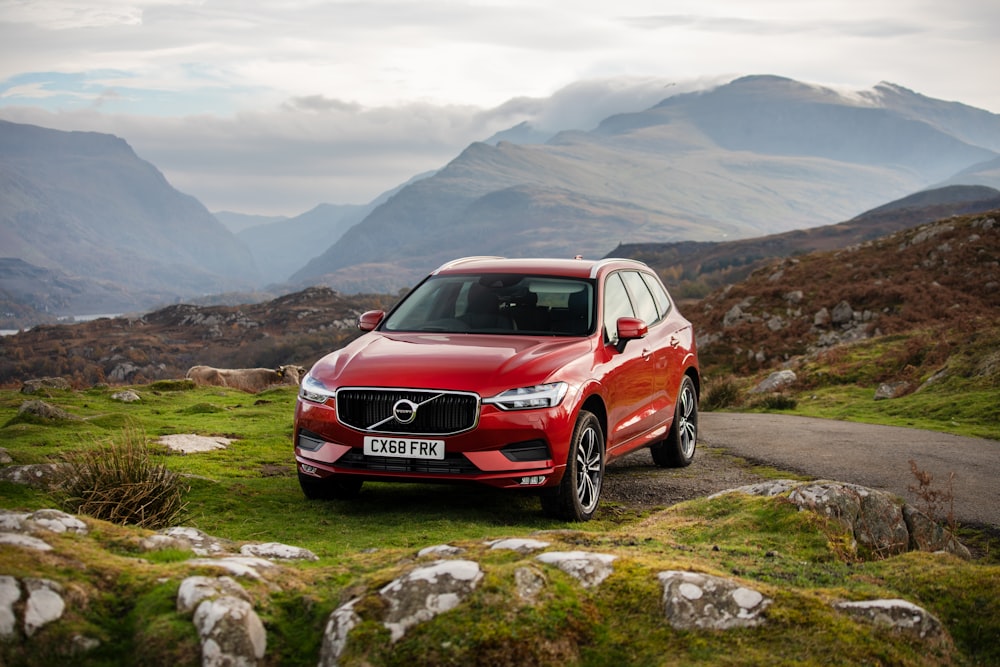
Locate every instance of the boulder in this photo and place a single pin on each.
(696, 601)
(38, 385)
(898, 615)
(776, 381)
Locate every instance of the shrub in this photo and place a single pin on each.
(721, 394)
(118, 482)
(776, 402)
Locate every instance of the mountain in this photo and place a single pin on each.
(85, 204)
(30, 294)
(758, 156)
(692, 268)
(282, 247)
(238, 222)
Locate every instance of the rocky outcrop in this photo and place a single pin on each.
(875, 520)
(444, 578)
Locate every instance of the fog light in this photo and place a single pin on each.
(308, 469)
(533, 480)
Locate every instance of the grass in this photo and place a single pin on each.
(962, 397)
(124, 596)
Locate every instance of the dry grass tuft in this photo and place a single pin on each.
(118, 482)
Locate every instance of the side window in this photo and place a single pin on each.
(659, 294)
(616, 304)
(645, 306)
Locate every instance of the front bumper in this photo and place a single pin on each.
(507, 449)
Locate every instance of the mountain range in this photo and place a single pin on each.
(759, 156)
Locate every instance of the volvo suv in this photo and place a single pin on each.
(526, 374)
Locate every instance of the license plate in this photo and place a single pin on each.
(404, 448)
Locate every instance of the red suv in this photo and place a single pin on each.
(517, 373)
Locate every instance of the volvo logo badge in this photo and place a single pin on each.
(404, 411)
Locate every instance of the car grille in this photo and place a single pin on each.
(452, 464)
(437, 413)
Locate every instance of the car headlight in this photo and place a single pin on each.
(527, 398)
(315, 391)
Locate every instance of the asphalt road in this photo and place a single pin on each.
(874, 456)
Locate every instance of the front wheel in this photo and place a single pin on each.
(335, 487)
(578, 494)
(677, 450)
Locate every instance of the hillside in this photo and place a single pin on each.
(293, 329)
(282, 247)
(934, 289)
(85, 204)
(692, 269)
(758, 156)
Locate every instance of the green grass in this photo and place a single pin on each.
(249, 492)
(962, 399)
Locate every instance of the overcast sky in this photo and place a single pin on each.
(274, 107)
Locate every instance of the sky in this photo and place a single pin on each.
(274, 107)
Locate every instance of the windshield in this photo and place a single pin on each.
(493, 303)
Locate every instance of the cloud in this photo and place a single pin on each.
(311, 150)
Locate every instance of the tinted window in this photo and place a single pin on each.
(497, 303)
(645, 306)
(659, 294)
(616, 304)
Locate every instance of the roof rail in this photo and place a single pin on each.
(610, 260)
(462, 260)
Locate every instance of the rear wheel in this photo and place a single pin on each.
(578, 494)
(677, 450)
(335, 487)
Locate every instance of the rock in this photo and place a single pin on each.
(521, 546)
(875, 519)
(10, 594)
(24, 541)
(56, 521)
(5, 457)
(338, 628)
(45, 410)
(38, 384)
(122, 372)
(127, 396)
(277, 551)
(899, 615)
(793, 297)
(238, 566)
(892, 390)
(692, 601)
(35, 475)
(775, 381)
(530, 582)
(821, 318)
(199, 542)
(929, 535)
(426, 592)
(231, 633)
(589, 568)
(440, 550)
(872, 517)
(195, 590)
(842, 313)
(44, 605)
(188, 443)
(733, 316)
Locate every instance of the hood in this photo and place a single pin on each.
(483, 364)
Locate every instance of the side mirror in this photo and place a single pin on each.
(630, 328)
(371, 319)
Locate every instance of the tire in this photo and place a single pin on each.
(579, 493)
(677, 450)
(335, 487)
